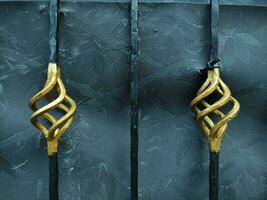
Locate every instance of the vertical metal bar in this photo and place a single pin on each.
(214, 29)
(54, 31)
(214, 35)
(214, 176)
(214, 63)
(134, 99)
(53, 177)
(54, 54)
(214, 130)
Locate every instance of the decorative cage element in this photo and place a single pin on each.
(210, 116)
(62, 103)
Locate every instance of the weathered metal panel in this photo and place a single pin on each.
(95, 59)
(173, 156)
(194, 2)
(94, 154)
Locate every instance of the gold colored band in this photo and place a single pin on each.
(210, 116)
(62, 103)
(52, 147)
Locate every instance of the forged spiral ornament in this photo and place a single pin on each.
(210, 116)
(62, 102)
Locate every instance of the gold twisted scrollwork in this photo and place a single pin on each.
(210, 116)
(62, 103)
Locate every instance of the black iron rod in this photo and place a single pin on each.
(214, 42)
(214, 62)
(54, 55)
(134, 99)
(54, 31)
(214, 176)
(53, 177)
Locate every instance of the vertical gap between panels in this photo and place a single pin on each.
(134, 99)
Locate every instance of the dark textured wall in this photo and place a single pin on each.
(95, 60)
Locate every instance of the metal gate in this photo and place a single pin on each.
(95, 57)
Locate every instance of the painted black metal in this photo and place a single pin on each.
(54, 55)
(214, 43)
(214, 176)
(54, 31)
(53, 177)
(214, 63)
(134, 99)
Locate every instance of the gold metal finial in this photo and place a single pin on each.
(210, 116)
(62, 102)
